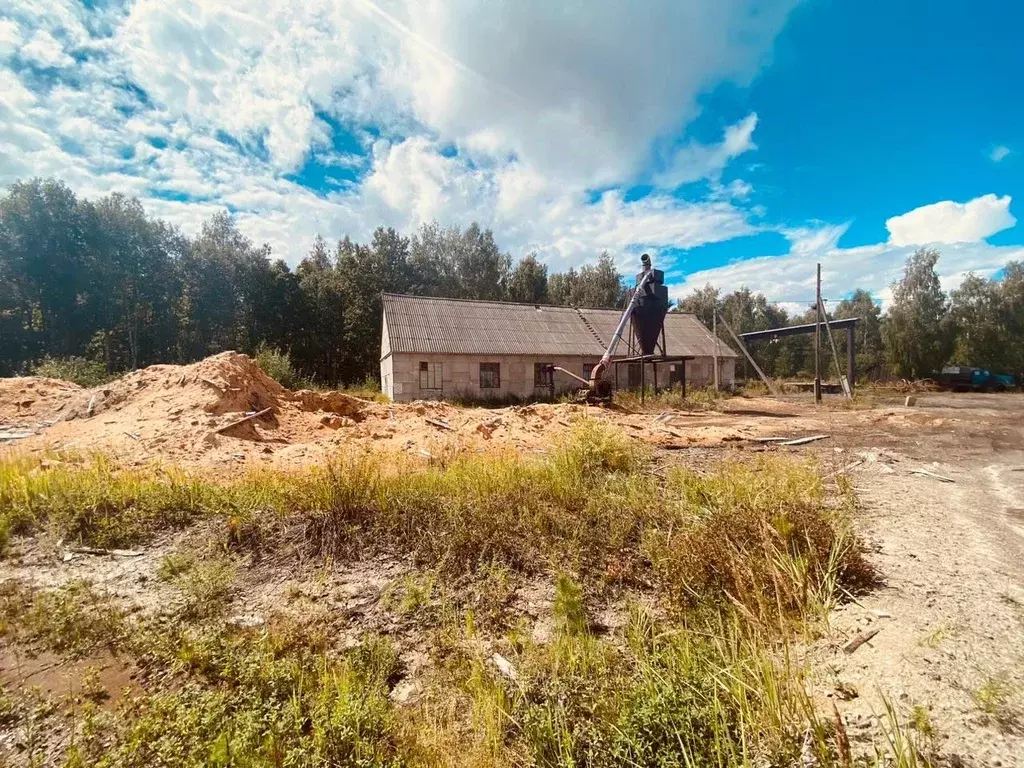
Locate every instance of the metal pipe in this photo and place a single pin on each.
(570, 373)
(634, 302)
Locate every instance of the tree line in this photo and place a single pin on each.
(980, 324)
(102, 280)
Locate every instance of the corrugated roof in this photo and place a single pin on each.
(462, 327)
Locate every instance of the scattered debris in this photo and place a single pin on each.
(244, 419)
(92, 405)
(15, 435)
(768, 439)
(106, 552)
(132, 435)
(911, 400)
(212, 384)
(860, 639)
(439, 423)
(927, 473)
(505, 667)
(844, 470)
(804, 440)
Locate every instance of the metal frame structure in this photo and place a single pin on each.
(663, 357)
(848, 324)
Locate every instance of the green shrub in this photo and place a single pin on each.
(78, 370)
(278, 366)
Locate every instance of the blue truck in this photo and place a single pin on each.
(964, 378)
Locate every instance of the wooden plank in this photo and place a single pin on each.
(805, 440)
(250, 417)
(926, 473)
(860, 639)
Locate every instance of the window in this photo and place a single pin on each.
(588, 368)
(490, 375)
(543, 375)
(430, 375)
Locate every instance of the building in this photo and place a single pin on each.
(440, 348)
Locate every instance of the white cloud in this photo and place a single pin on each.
(10, 37)
(580, 95)
(999, 154)
(949, 222)
(539, 102)
(45, 50)
(695, 161)
(790, 278)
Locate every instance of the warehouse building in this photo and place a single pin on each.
(443, 348)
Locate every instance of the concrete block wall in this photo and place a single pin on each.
(461, 375)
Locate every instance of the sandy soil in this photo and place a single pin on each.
(168, 413)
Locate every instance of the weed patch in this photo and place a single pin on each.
(758, 535)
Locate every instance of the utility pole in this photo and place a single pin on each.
(714, 332)
(817, 342)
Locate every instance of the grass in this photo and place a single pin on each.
(759, 535)
(78, 370)
(697, 399)
(73, 620)
(994, 697)
(735, 558)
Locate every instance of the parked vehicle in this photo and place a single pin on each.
(963, 378)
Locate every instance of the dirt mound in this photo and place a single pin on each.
(25, 399)
(225, 410)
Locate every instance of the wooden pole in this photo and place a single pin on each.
(746, 354)
(835, 354)
(714, 332)
(817, 341)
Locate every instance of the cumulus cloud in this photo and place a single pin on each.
(44, 50)
(695, 161)
(998, 154)
(790, 278)
(949, 222)
(196, 106)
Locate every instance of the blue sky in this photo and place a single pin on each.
(741, 141)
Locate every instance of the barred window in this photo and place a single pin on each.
(430, 375)
(490, 375)
(543, 375)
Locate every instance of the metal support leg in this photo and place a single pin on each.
(851, 358)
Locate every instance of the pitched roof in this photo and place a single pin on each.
(463, 327)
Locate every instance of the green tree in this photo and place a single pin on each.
(45, 271)
(917, 333)
(867, 336)
(977, 313)
(528, 282)
(561, 286)
(700, 302)
(598, 285)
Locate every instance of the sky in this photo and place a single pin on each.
(740, 142)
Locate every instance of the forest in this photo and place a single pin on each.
(101, 282)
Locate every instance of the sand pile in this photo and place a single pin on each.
(29, 400)
(225, 410)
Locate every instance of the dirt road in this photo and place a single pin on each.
(950, 650)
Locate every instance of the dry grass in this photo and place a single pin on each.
(759, 535)
(735, 559)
